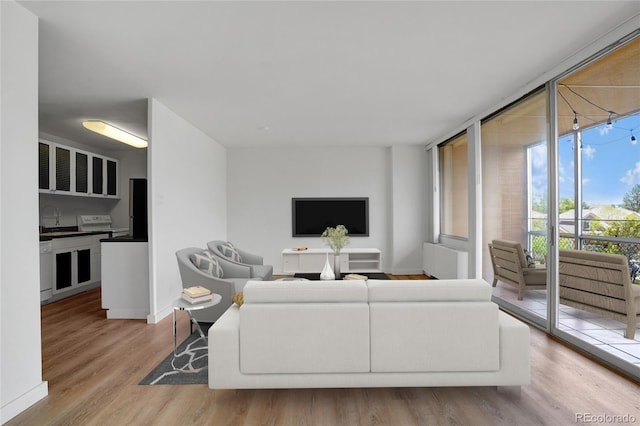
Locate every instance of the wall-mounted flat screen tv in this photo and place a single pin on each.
(311, 216)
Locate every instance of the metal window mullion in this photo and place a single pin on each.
(577, 159)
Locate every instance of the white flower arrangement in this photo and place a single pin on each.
(336, 238)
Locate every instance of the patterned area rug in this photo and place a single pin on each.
(188, 368)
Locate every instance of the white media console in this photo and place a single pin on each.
(313, 260)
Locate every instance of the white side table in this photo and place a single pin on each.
(183, 305)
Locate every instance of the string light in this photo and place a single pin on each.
(609, 123)
(592, 103)
(576, 125)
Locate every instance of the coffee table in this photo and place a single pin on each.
(316, 276)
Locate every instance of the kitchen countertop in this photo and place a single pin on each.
(124, 239)
(53, 233)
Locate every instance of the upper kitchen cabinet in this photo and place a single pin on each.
(71, 171)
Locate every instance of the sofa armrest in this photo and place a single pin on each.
(224, 350)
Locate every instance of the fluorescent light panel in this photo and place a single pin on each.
(106, 129)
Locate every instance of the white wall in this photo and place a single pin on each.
(261, 183)
(409, 208)
(20, 345)
(187, 199)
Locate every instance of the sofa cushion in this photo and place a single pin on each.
(535, 276)
(297, 338)
(429, 337)
(305, 291)
(428, 290)
(207, 263)
(228, 250)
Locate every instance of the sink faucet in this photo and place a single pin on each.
(55, 214)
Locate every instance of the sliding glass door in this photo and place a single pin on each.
(598, 120)
(515, 199)
(595, 194)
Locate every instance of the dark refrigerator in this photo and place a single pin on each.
(138, 208)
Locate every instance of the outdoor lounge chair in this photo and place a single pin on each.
(511, 267)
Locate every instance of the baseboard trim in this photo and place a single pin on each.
(158, 316)
(127, 314)
(18, 405)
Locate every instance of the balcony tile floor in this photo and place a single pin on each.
(605, 333)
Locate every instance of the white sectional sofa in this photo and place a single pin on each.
(378, 333)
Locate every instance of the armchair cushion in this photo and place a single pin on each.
(207, 263)
(229, 251)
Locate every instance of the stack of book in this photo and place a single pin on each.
(197, 294)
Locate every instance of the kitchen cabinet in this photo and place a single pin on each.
(75, 263)
(44, 161)
(63, 168)
(98, 174)
(82, 173)
(111, 182)
(72, 171)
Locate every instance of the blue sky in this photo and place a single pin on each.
(610, 163)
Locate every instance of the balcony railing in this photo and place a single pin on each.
(630, 247)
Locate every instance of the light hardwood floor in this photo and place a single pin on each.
(93, 367)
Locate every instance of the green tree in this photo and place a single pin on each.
(566, 204)
(539, 205)
(631, 199)
(627, 228)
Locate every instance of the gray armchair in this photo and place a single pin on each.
(233, 280)
(253, 263)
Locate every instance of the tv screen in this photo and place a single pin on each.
(311, 216)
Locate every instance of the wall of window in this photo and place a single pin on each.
(454, 193)
(592, 188)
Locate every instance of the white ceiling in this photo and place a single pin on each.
(302, 73)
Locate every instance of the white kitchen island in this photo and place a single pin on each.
(125, 278)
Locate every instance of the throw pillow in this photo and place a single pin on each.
(207, 263)
(229, 250)
(238, 298)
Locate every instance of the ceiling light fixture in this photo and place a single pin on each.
(609, 123)
(106, 129)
